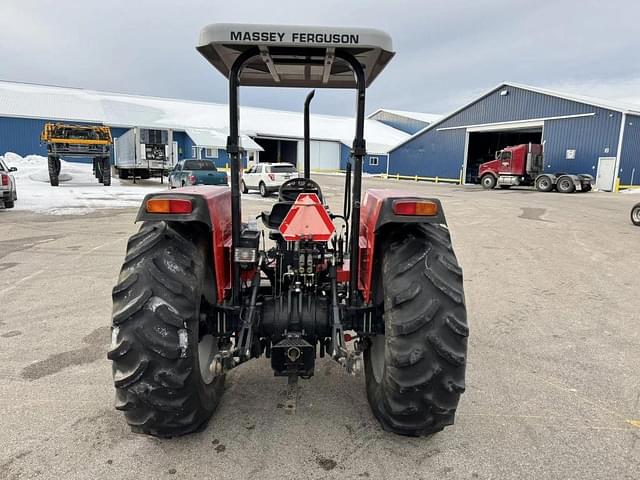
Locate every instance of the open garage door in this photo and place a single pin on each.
(277, 150)
(482, 146)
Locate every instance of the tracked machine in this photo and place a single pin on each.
(375, 287)
(84, 141)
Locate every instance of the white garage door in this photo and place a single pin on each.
(324, 155)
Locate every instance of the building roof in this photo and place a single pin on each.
(203, 137)
(596, 102)
(26, 100)
(421, 116)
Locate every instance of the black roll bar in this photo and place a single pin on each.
(235, 152)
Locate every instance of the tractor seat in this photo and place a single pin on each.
(273, 219)
(287, 196)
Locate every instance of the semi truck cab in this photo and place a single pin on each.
(516, 165)
(524, 165)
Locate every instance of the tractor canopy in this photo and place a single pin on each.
(296, 56)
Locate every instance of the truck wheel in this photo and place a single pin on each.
(544, 184)
(160, 349)
(97, 165)
(565, 185)
(106, 172)
(635, 214)
(415, 372)
(243, 187)
(54, 170)
(263, 190)
(488, 181)
(8, 204)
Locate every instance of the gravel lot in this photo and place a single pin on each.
(553, 382)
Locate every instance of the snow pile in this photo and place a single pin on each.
(79, 192)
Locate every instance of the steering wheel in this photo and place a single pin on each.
(290, 189)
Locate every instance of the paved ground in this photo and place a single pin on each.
(553, 384)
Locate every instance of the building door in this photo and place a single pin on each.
(606, 173)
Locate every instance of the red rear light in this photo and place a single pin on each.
(272, 177)
(168, 205)
(415, 207)
(5, 180)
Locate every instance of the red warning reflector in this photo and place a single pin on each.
(307, 220)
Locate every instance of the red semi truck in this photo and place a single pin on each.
(524, 165)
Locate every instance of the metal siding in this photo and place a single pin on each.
(432, 154)
(629, 172)
(345, 153)
(441, 153)
(21, 136)
(589, 136)
(375, 169)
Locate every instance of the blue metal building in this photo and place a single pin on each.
(199, 129)
(580, 135)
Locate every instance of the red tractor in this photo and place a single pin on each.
(524, 165)
(200, 294)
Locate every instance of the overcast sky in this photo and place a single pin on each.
(447, 51)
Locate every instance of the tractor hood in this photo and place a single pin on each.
(296, 56)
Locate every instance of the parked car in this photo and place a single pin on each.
(196, 172)
(267, 177)
(8, 194)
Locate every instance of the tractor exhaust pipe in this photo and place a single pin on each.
(307, 142)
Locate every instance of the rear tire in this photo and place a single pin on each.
(415, 372)
(635, 215)
(54, 170)
(243, 187)
(106, 172)
(488, 181)
(163, 385)
(263, 190)
(565, 185)
(544, 184)
(9, 204)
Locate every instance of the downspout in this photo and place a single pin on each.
(623, 123)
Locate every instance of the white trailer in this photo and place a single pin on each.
(144, 152)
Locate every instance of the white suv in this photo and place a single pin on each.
(7, 185)
(267, 177)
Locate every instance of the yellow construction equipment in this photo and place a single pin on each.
(65, 140)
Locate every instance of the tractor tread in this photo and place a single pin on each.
(423, 317)
(426, 343)
(158, 383)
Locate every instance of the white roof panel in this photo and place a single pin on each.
(122, 110)
(421, 116)
(216, 139)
